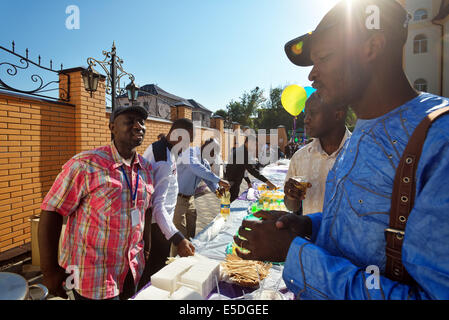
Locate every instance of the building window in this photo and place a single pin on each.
(420, 14)
(420, 44)
(420, 85)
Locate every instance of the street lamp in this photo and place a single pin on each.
(112, 66)
(132, 91)
(90, 79)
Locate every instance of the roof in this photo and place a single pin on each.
(184, 103)
(153, 89)
(199, 106)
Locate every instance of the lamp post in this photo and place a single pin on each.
(112, 66)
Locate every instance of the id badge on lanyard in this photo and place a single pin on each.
(135, 213)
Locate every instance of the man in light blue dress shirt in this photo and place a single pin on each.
(332, 254)
(192, 168)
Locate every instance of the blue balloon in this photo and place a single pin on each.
(309, 91)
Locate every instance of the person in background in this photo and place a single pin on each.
(326, 124)
(162, 156)
(212, 154)
(192, 168)
(241, 160)
(106, 194)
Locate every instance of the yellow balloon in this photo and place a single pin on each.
(293, 99)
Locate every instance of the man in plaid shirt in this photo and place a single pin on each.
(105, 193)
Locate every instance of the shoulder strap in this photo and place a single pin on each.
(403, 197)
(160, 150)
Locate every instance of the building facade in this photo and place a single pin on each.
(427, 50)
(159, 102)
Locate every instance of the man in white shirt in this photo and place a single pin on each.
(326, 124)
(162, 156)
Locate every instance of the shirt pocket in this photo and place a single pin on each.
(106, 199)
(144, 198)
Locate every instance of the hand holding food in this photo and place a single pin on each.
(296, 188)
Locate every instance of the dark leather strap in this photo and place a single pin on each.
(160, 150)
(403, 197)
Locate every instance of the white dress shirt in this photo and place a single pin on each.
(165, 182)
(313, 163)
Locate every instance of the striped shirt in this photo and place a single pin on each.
(104, 234)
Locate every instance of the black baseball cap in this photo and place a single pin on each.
(122, 109)
(351, 15)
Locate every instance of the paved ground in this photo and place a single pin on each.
(208, 206)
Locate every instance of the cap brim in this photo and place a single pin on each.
(138, 109)
(298, 50)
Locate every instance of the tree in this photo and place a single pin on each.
(244, 110)
(222, 113)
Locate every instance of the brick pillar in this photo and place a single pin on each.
(91, 122)
(217, 123)
(282, 137)
(173, 113)
(180, 111)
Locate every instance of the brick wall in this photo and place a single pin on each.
(36, 138)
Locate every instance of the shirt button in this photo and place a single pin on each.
(360, 201)
(291, 281)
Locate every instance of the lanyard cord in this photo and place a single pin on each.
(133, 195)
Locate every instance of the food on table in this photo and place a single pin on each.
(167, 278)
(246, 273)
(186, 293)
(264, 187)
(196, 272)
(201, 277)
(153, 293)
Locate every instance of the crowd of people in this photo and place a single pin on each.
(291, 148)
(374, 201)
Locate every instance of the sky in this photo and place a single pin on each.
(208, 50)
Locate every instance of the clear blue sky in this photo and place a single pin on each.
(208, 50)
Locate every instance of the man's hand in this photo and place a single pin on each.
(54, 282)
(294, 191)
(270, 239)
(186, 248)
(270, 185)
(224, 184)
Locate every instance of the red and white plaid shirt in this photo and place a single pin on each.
(100, 239)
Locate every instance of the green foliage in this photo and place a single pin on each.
(254, 110)
(351, 119)
(243, 111)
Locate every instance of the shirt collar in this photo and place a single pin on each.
(118, 159)
(315, 145)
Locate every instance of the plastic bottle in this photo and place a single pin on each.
(225, 206)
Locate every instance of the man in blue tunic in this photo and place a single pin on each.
(356, 52)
